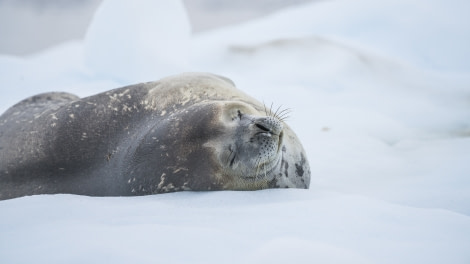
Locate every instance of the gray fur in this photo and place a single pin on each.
(192, 131)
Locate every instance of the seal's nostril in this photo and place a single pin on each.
(263, 128)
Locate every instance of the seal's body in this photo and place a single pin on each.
(186, 132)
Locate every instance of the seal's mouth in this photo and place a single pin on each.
(263, 171)
(255, 168)
(264, 167)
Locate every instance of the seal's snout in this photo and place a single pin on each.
(260, 126)
(269, 125)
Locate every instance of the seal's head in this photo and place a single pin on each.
(256, 150)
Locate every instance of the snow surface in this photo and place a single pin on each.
(126, 38)
(379, 93)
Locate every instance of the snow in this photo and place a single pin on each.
(230, 227)
(126, 38)
(404, 29)
(379, 97)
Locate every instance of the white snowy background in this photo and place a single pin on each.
(380, 98)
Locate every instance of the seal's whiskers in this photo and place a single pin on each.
(280, 114)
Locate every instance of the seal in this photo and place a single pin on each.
(193, 131)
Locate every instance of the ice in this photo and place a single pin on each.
(429, 34)
(126, 40)
(230, 227)
(379, 98)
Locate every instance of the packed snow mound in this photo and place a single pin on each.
(137, 41)
(429, 34)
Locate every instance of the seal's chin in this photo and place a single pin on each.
(263, 171)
